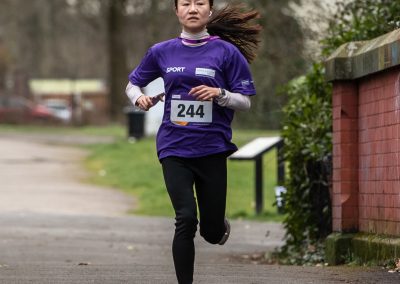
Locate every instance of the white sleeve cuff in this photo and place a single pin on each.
(133, 92)
(235, 101)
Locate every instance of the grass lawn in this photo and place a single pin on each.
(134, 168)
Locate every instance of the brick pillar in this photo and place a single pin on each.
(345, 156)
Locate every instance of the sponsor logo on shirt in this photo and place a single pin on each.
(176, 69)
(246, 83)
(205, 72)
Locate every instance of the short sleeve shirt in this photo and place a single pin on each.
(190, 128)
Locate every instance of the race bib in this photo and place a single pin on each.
(191, 111)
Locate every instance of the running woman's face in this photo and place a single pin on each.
(193, 14)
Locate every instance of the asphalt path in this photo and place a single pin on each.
(55, 228)
(45, 178)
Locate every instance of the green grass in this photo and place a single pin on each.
(135, 169)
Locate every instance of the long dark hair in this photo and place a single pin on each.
(233, 24)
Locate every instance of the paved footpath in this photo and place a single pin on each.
(56, 229)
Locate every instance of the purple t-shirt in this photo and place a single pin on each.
(190, 128)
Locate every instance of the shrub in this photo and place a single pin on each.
(307, 128)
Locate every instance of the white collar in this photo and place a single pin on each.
(199, 35)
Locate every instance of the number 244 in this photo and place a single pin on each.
(190, 111)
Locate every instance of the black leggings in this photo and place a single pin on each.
(208, 174)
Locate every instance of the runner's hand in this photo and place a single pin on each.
(144, 102)
(204, 93)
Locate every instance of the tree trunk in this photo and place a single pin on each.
(117, 55)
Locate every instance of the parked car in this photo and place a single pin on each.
(22, 110)
(60, 109)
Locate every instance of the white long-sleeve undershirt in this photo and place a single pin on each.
(234, 101)
(133, 92)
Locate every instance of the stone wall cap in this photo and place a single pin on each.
(357, 59)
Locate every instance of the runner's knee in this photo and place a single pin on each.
(211, 235)
(186, 225)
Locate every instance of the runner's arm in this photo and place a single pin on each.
(133, 92)
(234, 101)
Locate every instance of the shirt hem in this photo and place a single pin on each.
(229, 151)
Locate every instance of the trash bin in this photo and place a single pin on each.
(135, 121)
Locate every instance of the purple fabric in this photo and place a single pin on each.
(222, 66)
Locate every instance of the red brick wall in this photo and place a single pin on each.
(366, 179)
(345, 156)
(379, 148)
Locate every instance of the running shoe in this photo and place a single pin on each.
(227, 232)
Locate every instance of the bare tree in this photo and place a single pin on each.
(4, 66)
(117, 56)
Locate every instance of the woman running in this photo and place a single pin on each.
(206, 76)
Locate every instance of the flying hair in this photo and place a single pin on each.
(233, 24)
